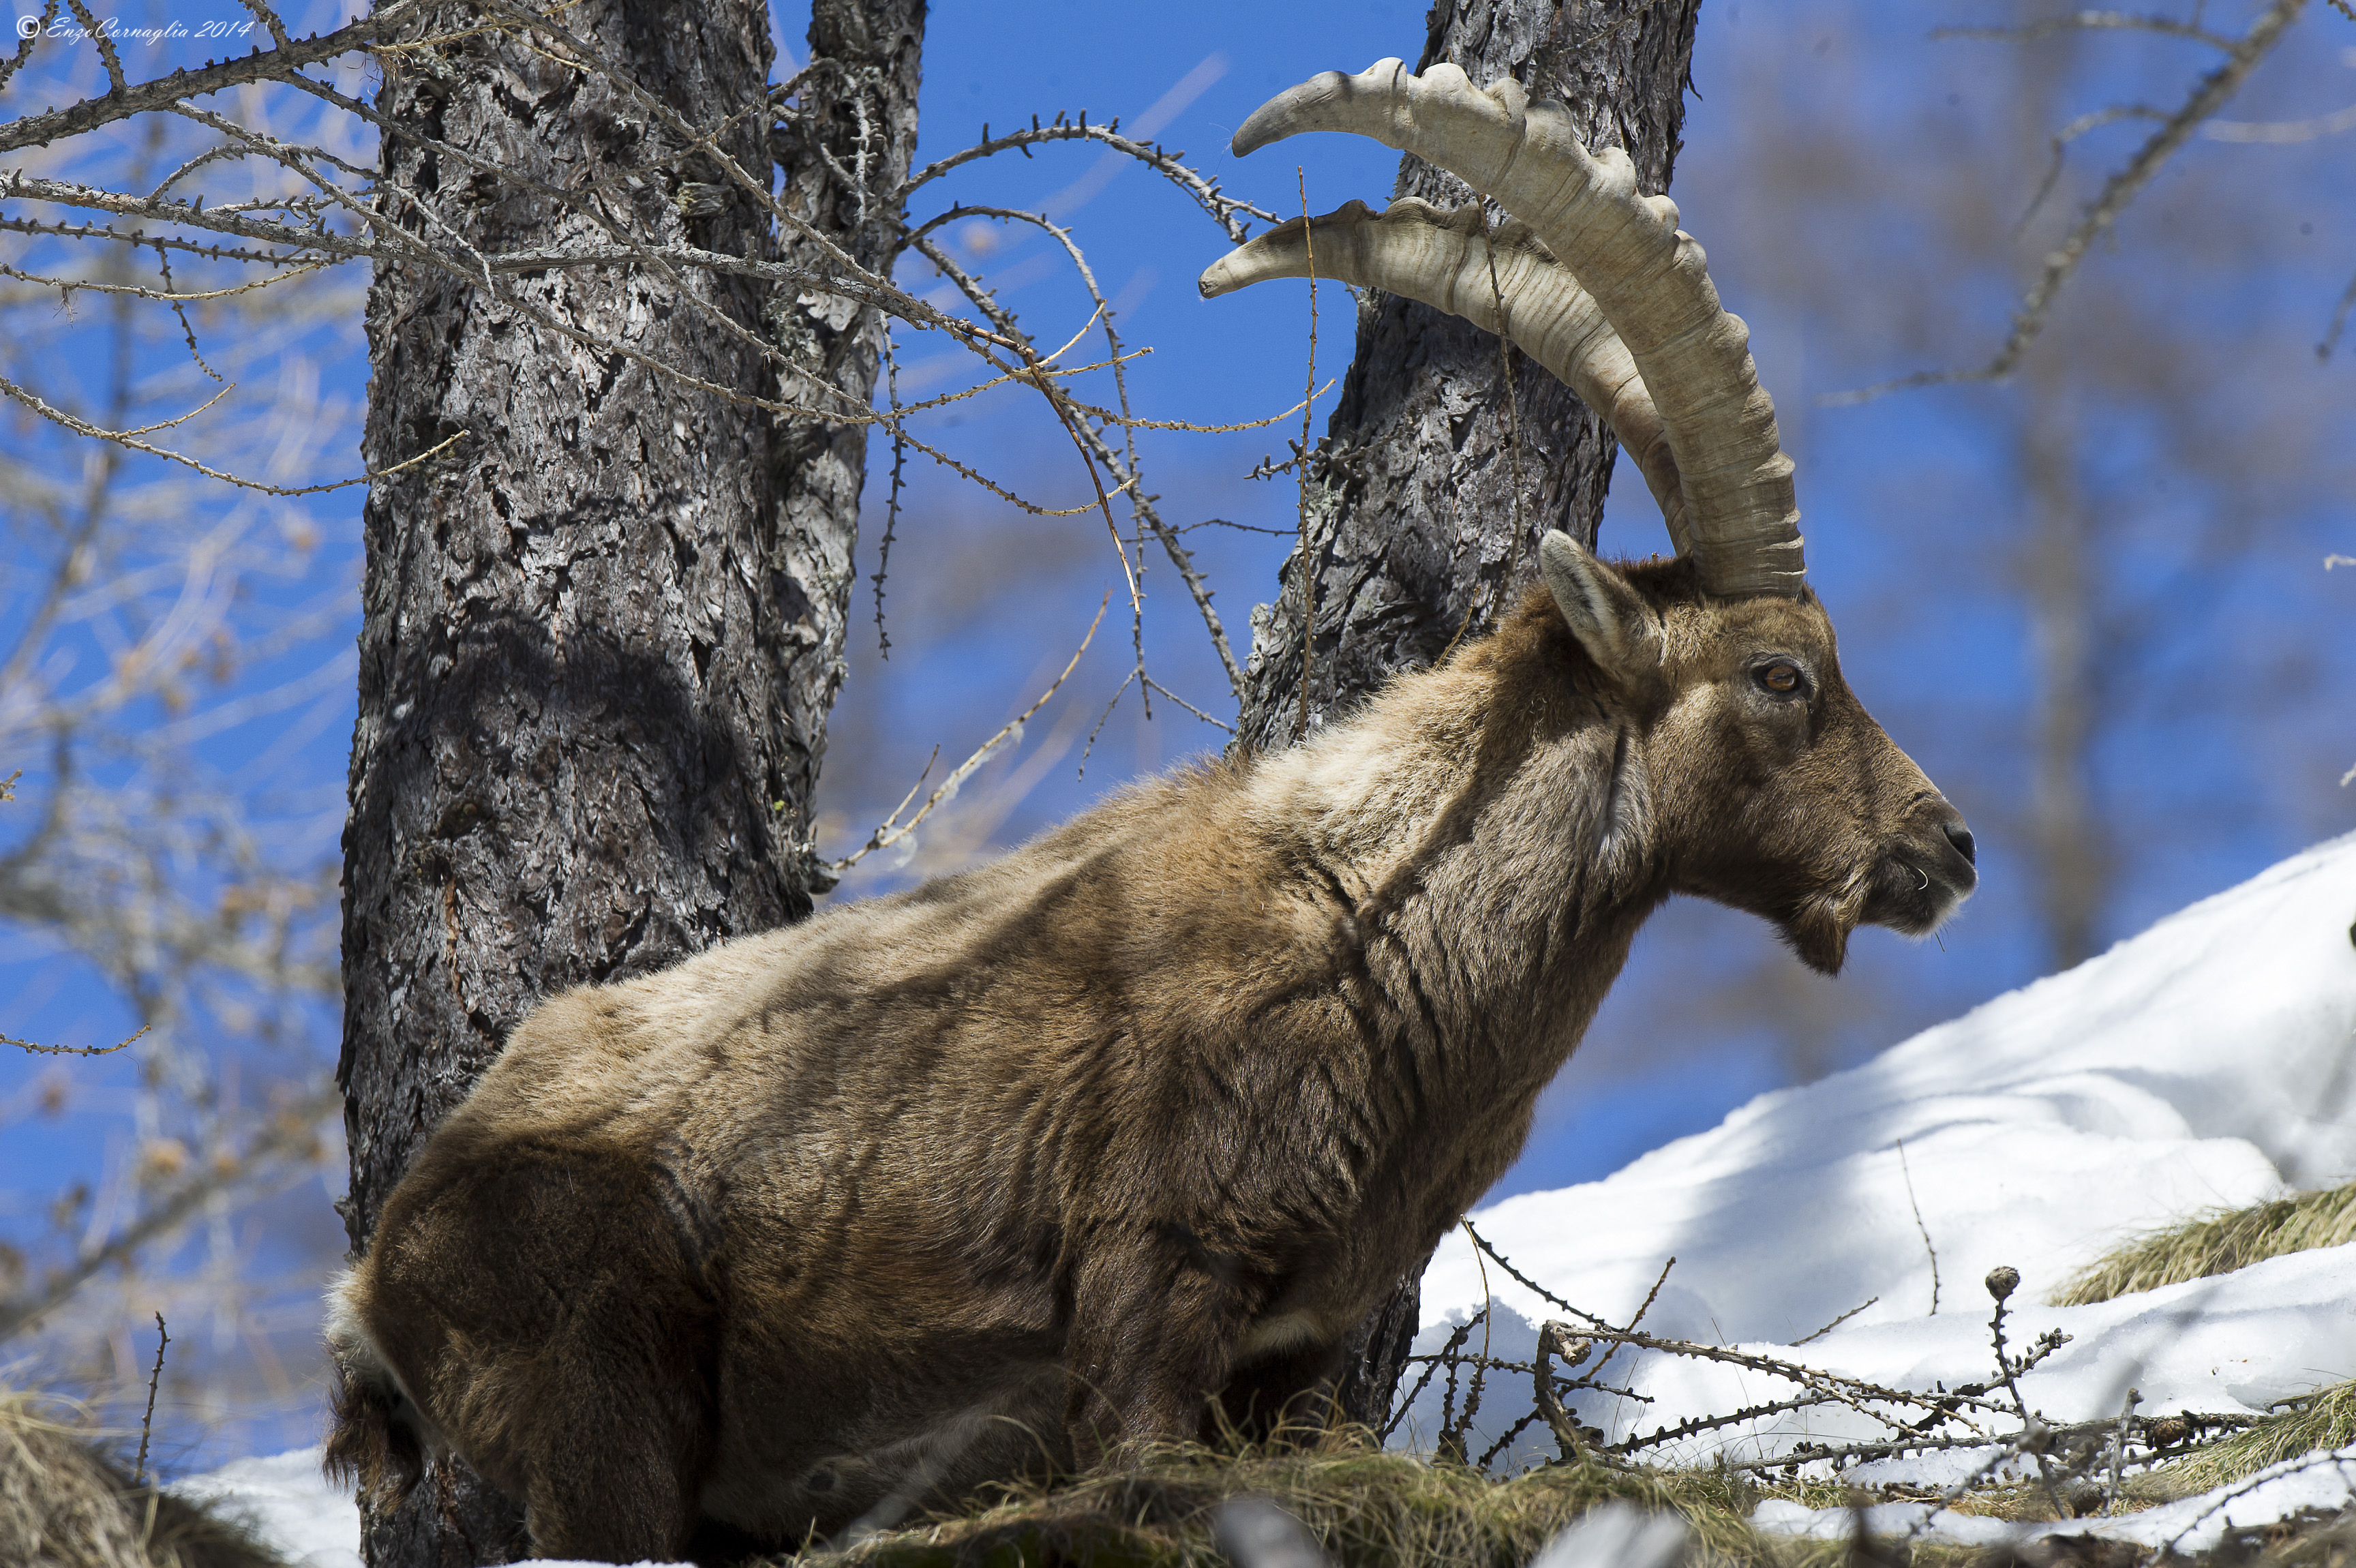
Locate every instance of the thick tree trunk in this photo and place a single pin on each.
(1429, 493)
(601, 636)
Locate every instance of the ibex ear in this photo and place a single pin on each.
(1611, 622)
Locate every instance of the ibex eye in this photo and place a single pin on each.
(1780, 679)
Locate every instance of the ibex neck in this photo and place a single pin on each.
(1492, 819)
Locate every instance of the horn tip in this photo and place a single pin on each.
(1222, 276)
(1296, 109)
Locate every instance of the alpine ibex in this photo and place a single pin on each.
(1058, 1152)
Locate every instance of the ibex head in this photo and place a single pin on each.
(1769, 786)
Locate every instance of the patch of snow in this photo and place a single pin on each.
(292, 1507)
(1618, 1534)
(288, 1503)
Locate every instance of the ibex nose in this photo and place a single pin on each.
(1961, 837)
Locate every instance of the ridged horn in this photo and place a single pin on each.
(1444, 259)
(1651, 281)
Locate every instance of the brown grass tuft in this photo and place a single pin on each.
(2324, 1419)
(67, 1502)
(2217, 1243)
(1368, 1508)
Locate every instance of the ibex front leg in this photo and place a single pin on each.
(1156, 1315)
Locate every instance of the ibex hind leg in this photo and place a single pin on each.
(1286, 1398)
(589, 1393)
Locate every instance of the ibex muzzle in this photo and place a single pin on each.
(1027, 1163)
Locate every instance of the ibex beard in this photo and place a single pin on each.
(1117, 1138)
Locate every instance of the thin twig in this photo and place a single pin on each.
(2339, 322)
(2121, 189)
(1103, 719)
(74, 1050)
(1307, 559)
(2084, 124)
(1190, 707)
(2091, 21)
(1917, 1208)
(1836, 1323)
(1506, 1263)
(130, 439)
(1223, 209)
(893, 830)
(147, 1421)
(892, 504)
(147, 97)
(1141, 504)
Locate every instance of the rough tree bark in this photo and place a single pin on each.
(1431, 491)
(600, 638)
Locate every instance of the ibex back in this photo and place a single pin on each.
(1140, 1120)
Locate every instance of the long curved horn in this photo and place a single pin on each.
(1651, 281)
(1445, 259)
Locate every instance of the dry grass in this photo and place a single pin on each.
(1368, 1508)
(2217, 1243)
(66, 1503)
(1372, 1509)
(2324, 1419)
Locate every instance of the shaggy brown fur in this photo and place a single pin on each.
(1025, 1163)
(66, 1503)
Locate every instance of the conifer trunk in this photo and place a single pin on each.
(601, 635)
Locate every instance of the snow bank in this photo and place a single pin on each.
(2204, 1063)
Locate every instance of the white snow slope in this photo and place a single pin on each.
(2209, 1062)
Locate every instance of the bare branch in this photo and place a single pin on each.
(25, 42)
(2338, 321)
(163, 1338)
(2121, 189)
(2091, 21)
(894, 831)
(1305, 554)
(165, 296)
(148, 97)
(292, 1136)
(1121, 464)
(2281, 133)
(1190, 707)
(107, 53)
(2093, 121)
(1836, 1323)
(130, 438)
(1224, 209)
(72, 1050)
